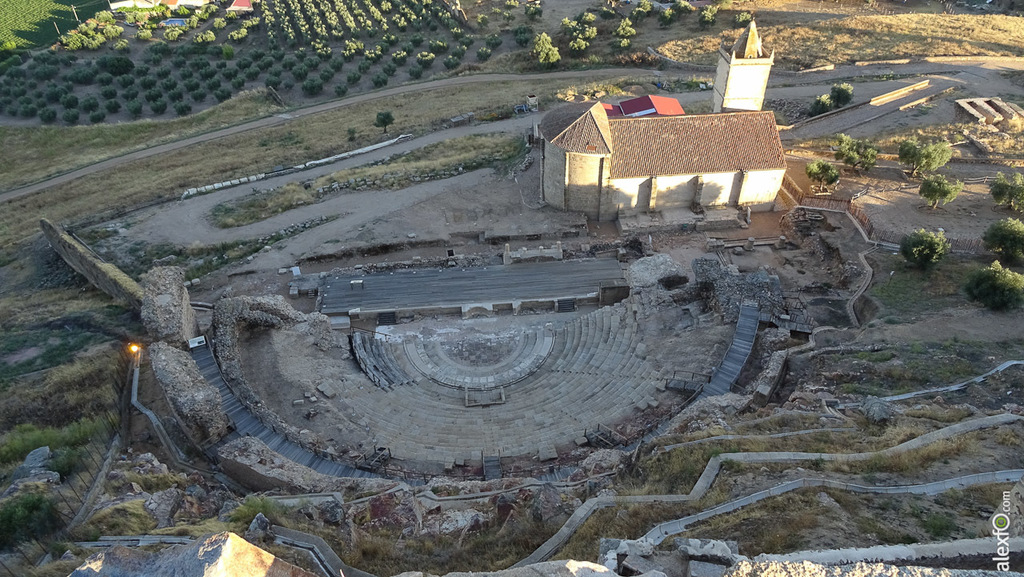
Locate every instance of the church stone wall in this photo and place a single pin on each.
(583, 186)
(719, 188)
(760, 188)
(553, 175)
(675, 191)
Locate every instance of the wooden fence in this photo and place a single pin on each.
(789, 186)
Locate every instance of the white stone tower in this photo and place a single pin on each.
(742, 73)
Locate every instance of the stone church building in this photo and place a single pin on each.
(605, 165)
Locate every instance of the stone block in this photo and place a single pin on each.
(327, 390)
(547, 452)
(298, 402)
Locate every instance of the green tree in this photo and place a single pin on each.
(822, 172)
(923, 249)
(996, 287)
(924, 157)
(1006, 238)
(546, 52)
(857, 154)
(384, 119)
(1009, 191)
(841, 94)
(936, 189)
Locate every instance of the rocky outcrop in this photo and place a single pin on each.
(1016, 512)
(195, 402)
(103, 275)
(250, 462)
(220, 555)
(162, 505)
(808, 569)
(652, 270)
(547, 569)
(167, 312)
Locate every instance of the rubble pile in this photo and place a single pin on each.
(725, 289)
(196, 403)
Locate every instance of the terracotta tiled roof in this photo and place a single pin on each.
(581, 129)
(695, 144)
(644, 105)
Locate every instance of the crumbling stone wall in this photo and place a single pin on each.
(195, 403)
(252, 463)
(231, 316)
(166, 308)
(103, 275)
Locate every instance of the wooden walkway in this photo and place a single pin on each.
(453, 287)
(742, 343)
(247, 425)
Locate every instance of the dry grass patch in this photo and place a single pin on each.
(459, 154)
(845, 40)
(34, 153)
(775, 525)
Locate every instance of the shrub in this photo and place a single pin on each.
(26, 516)
(97, 117)
(126, 81)
(70, 115)
(341, 90)
(130, 94)
(28, 111)
(182, 108)
(996, 287)
(451, 63)
(364, 66)
(1006, 238)
(116, 65)
(841, 94)
(134, 107)
(821, 105)
(924, 249)
(379, 80)
(625, 29)
(222, 94)
(425, 59)
(112, 106)
(312, 86)
(176, 95)
(438, 46)
(708, 15)
(158, 106)
(415, 71)
(47, 115)
(227, 52)
(742, 19)
(389, 68)
(272, 81)
(143, 34)
(1008, 191)
(493, 41)
(197, 95)
(69, 101)
(353, 77)
(483, 53)
(90, 104)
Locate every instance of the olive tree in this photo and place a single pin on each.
(936, 189)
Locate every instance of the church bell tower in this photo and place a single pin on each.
(742, 75)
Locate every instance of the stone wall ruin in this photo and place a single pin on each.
(166, 308)
(103, 275)
(196, 404)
